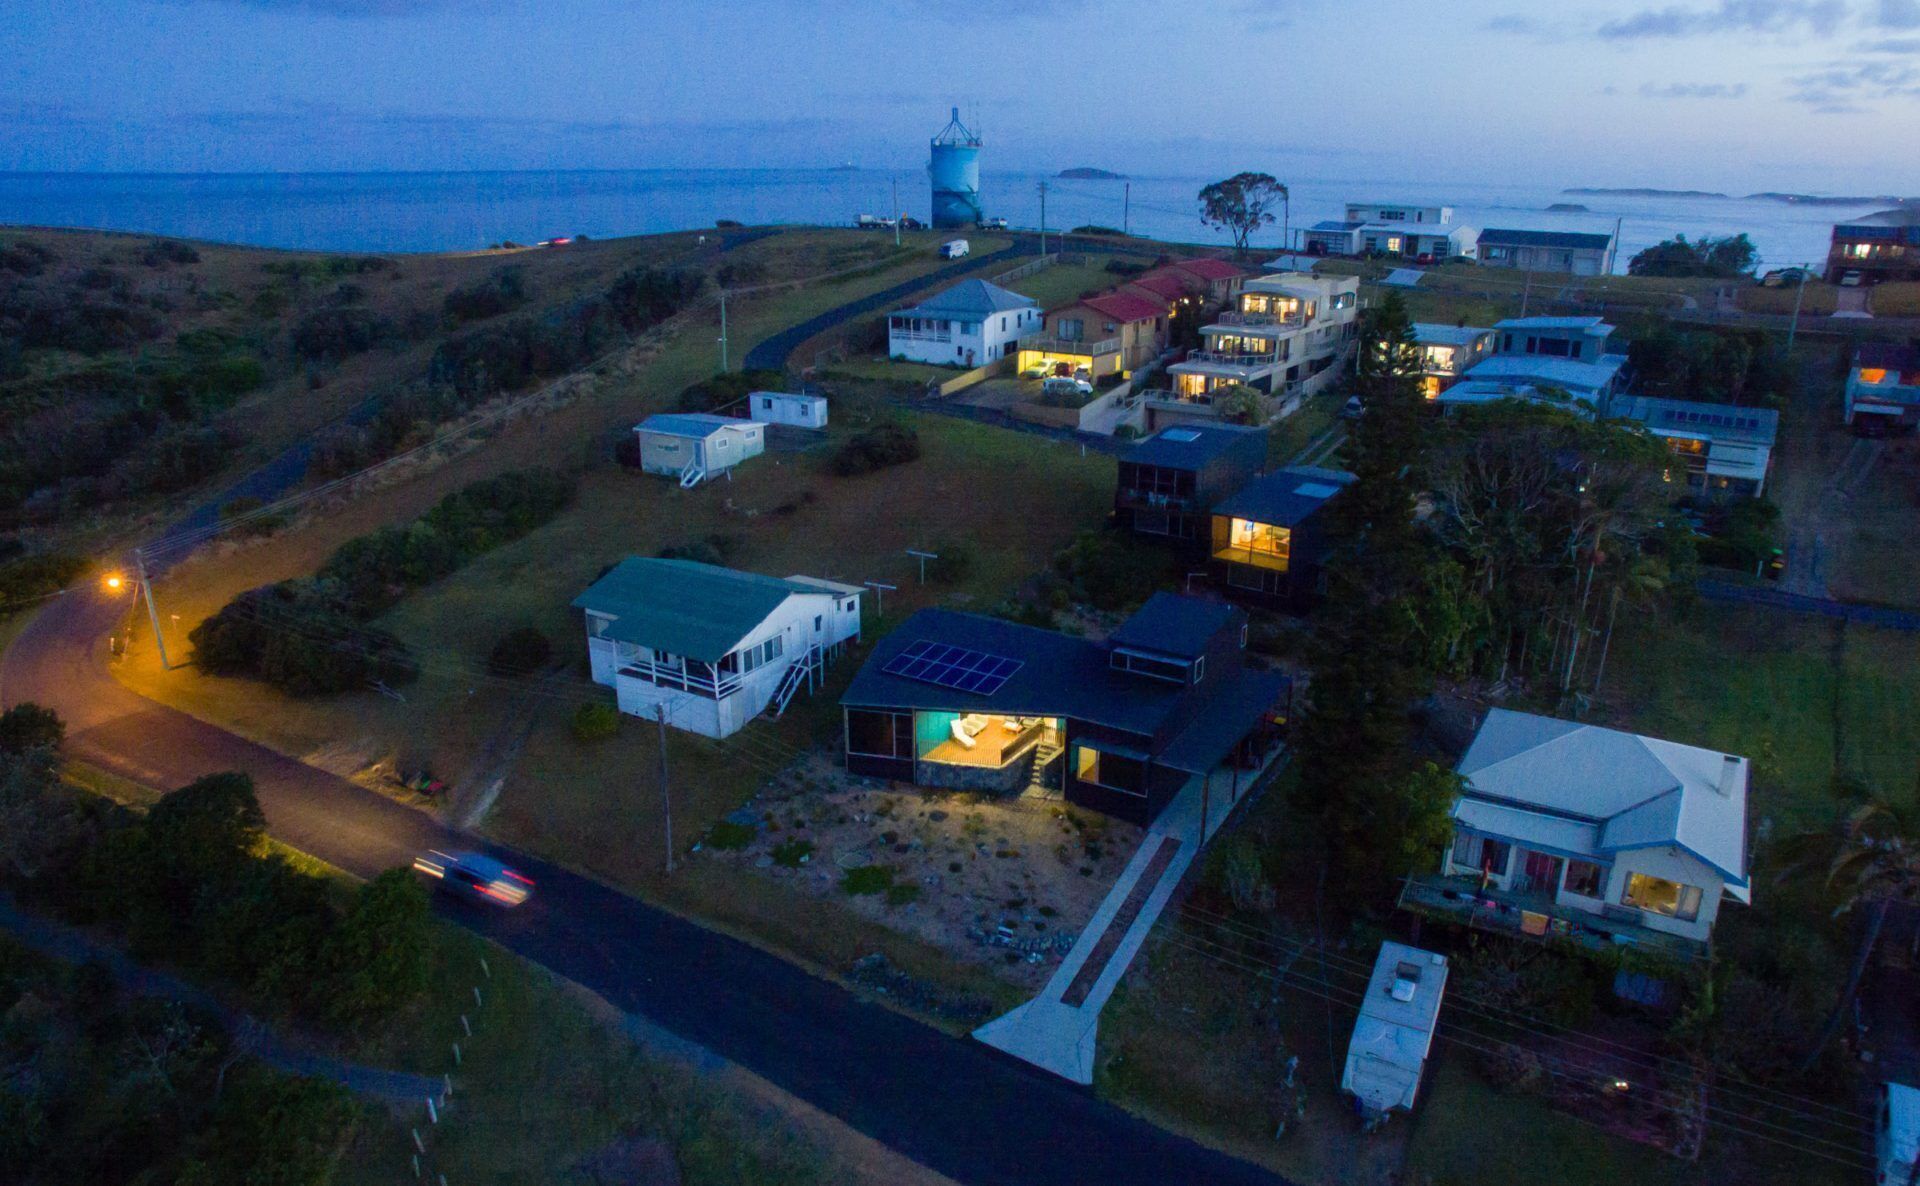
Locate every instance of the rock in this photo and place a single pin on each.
(763, 861)
(936, 816)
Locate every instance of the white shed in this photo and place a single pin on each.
(786, 407)
(1394, 1031)
(694, 446)
(1897, 1135)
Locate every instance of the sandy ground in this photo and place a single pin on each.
(1007, 883)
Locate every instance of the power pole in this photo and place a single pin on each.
(153, 614)
(896, 211)
(1043, 220)
(1800, 294)
(1526, 293)
(666, 801)
(1126, 209)
(723, 330)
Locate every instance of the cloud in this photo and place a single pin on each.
(1897, 14)
(1693, 90)
(1843, 88)
(1821, 17)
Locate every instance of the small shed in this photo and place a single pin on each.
(786, 407)
(694, 446)
(1897, 1135)
(1394, 1031)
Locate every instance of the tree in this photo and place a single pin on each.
(375, 961)
(1241, 205)
(28, 726)
(36, 818)
(204, 830)
(1725, 258)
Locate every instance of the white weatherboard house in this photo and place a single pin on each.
(714, 646)
(969, 325)
(1394, 1031)
(789, 408)
(1593, 835)
(1897, 1135)
(694, 446)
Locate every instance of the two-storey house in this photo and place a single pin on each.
(1720, 451)
(1285, 336)
(968, 325)
(1268, 546)
(1109, 334)
(1880, 247)
(1448, 351)
(1170, 482)
(1569, 354)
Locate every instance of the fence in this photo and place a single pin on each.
(961, 382)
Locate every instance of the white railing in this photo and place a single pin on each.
(714, 686)
(1258, 319)
(1233, 359)
(1071, 346)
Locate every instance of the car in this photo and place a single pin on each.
(1065, 385)
(1781, 277)
(1353, 409)
(994, 224)
(475, 876)
(1852, 279)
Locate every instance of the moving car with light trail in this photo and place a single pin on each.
(475, 875)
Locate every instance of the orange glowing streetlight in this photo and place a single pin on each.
(115, 581)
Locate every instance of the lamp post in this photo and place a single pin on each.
(115, 582)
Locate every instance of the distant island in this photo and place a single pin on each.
(1086, 174)
(1832, 200)
(1568, 208)
(1642, 193)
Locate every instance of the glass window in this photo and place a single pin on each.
(1480, 852)
(1659, 896)
(1112, 771)
(879, 734)
(1586, 879)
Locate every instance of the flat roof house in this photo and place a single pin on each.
(1568, 353)
(1169, 483)
(968, 325)
(1399, 212)
(1547, 251)
(1394, 1033)
(694, 446)
(795, 409)
(1109, 334)
(1724, 451)
(1591, 835)
(1881, 247)
(1286, 335)
(1447, 351)
(712, 647)
(1883, 387)
(968, 702)
(1268, 547)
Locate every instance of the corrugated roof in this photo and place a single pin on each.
(1713, 422)
(1191, 446)
(1209, 268)
(1174, 625)
(1236, 704)
(682, 607)
(1570, 240)
(1162, 284)
(1285, 497)
(1125, 306)
(1334, 224)
(1429, 333)
(968, 300)
(1581, 323)
(691, 424)
(1547, 369)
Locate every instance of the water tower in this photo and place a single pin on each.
(955, 172)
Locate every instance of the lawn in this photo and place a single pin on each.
(1291, 436)
(1818, 301)
(1899, 299)
(1063, 284)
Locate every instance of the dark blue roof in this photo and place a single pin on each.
(1174, 625)
(1568, 239)
(1285, 497)
(1336, 225)
(1191, 446)
(1236, 706)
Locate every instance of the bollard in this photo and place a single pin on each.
(433, 1113)
(463, 1025)
(417, 1142)
(416, 1165)
(448, 1093)
(484, 970)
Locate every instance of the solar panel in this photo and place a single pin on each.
(952, 667)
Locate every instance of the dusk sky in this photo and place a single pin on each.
(1815, 95)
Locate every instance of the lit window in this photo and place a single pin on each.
(1658, 896)
(1873, 375)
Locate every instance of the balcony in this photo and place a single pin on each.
(1462, 900)
(1070, 346)
(1154, 500)
(1259, 320)
(697, 678)
(1226, 358)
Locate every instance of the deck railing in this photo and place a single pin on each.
(1071, 346)
(713, 685)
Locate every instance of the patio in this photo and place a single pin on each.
(1534, 914)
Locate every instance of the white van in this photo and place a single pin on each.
(953, 249)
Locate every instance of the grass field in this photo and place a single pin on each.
(1064, 283)
(1819, 299)
(1900, 299)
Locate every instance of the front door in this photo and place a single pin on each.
(1540, 872)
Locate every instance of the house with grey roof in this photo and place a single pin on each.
(1593, 836)
(1720, 451)
(1448, 351)
(712, 648)
(1268, 545)
(1580, 253)
(1568, 354)
(968, 325)
(692, 447)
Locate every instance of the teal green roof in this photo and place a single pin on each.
(681, 607)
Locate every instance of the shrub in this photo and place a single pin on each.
(502, 292)
(337, 332)
(729, 836)
(900, 895)
(726, 223)
(1109, 571)
(24, 257)
(521, 651)
(160, 252)
(26, 579)
(28, 726)
(867, 879)
(595, 722)
(299, 637)
(793, 853)
(876, 448)
(727, 387)
(953, 564)
(375, 960)
(1125, 267)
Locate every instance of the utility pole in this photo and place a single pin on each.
(723, 330)
(1043, 220)
(1126, 209)
(896, 211)
(1800, 294)
(666, 801)
(1526, 293)
(146, 590)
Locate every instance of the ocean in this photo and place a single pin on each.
(403, 212)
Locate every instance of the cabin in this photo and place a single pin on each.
(1573, 252)
(1387, 1055)
(795, 410)
(712, 648)
(1593, 836)
(695, 446)
(1883, 389)
(966, 702)
(1267, 544)
(1169, 482)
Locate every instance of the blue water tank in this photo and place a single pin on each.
(955, 172)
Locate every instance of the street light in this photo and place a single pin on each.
(115, 581)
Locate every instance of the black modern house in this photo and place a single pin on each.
(1268, 544)
(1170, 481)
(962, 701)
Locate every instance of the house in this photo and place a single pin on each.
(1883, 388)
(1896, 1136)
(1267, 546)
(1169, 483)
(694, 446)
(1724, 451)
(1219, 278)
(1399, 213)
(712, 647)
(963, 701)
(968, 325)
(1394, 1032)
(1109, 334)
(1881, 247)
(1547, 251)
(1333, 237)
(1595, 836)
(797, 410)
(1567, 353)
(1476, 392)
(1372, 228)
(1446, 351)
(1286, 335)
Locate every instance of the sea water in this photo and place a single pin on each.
(464, 211)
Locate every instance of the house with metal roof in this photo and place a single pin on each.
(1580, 253)
(1720, 450)
(695, 446)
(796, 409)
(1883, 388)
(1393, 1034)
(1121, 726)
(968, 325)
(1880, 247)
(1447, 351)
(1896, 1135)
(1219, 279)
(1425, 233)
(1169, 483)
(1109, 334)
(1593, 835)
(1269, 546)
(712, 648)
(1567, 353)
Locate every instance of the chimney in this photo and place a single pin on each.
(1729, 775)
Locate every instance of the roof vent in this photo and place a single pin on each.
(1729, 774)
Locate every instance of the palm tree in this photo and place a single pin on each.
(1870, 859)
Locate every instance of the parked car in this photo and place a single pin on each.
(475, 876)
(1353, 409)
(1063, 385)
(1781, 277)
(994, 224)
(910, 223)
(1852, 279)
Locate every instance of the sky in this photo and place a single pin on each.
(1741, 95)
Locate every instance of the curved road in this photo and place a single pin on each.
(952, 1104)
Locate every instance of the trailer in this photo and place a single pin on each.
(1394, 1031)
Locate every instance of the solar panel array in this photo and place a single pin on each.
(953, 667)
(1712, 419)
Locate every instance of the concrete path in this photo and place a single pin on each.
(74, 946)
(1866, 615)
(1056, 1030)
